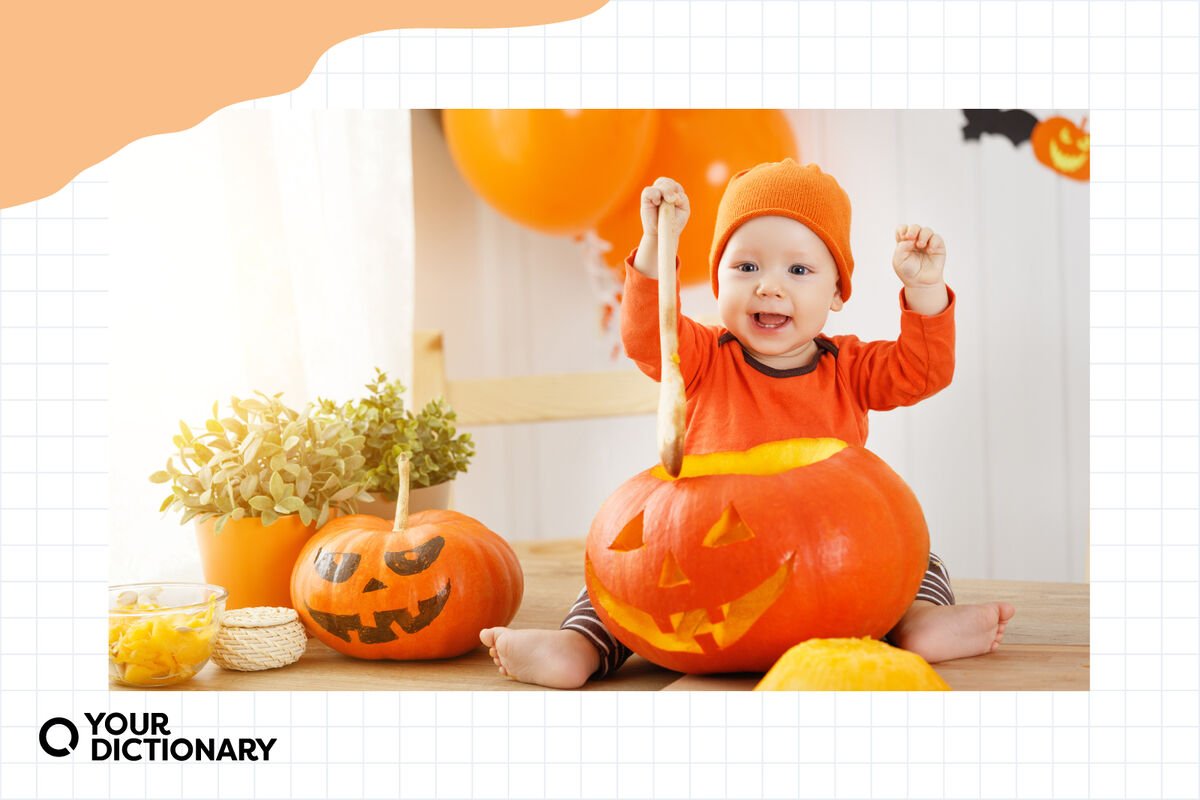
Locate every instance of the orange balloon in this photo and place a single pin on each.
(702, 149)
(558, 171)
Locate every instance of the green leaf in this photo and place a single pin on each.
(344, 494)
(261, 503)
(220, 524)
(306, 515)
(276, 486)
(166, 503)
(186, 431)
(289, 505)
(303, 482)
(214, 425)
(235, 425)
(269, 517)
(160, 477)
(251, 451)
(248, 486)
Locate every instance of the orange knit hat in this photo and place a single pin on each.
(787, 189)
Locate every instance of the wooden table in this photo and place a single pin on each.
(1045, 647)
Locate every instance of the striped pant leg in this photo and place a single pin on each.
(584, 619)
(935, 586)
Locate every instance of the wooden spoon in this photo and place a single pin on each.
(671, 402)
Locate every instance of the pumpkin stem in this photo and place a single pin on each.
(401, 523)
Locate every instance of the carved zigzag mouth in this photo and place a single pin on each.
(698, 630)
(340, 625)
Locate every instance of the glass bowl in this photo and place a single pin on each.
(161, 633)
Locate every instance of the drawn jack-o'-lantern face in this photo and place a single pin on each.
(372, 592)
(748, 553)
(1061, 145)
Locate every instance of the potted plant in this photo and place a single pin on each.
(435, 451)
(258, 484)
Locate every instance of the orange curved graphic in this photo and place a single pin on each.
(79, 81)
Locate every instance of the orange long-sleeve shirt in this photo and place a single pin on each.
(734, 402)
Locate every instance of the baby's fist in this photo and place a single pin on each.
(919, 257)
(653, 196)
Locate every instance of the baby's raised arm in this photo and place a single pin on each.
(646, 260)
(919, 259)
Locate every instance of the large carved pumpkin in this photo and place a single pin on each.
(370, 591)
(747, 553)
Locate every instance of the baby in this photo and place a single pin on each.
(780, 262)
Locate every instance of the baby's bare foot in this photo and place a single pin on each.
(942, 633)
(562, 659)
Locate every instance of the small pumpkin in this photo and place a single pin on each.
(416, 588)
(747, 553)
(1063, 146)
(839, 665)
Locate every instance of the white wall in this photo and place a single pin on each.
(258, 250)
(999, 459)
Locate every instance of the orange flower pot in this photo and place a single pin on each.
(252, 562)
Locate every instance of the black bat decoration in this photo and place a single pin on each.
(1016, 124)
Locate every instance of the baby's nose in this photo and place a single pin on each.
(769, 289)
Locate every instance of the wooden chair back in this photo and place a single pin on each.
(532, 398)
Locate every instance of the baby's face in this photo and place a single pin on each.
(777, 283)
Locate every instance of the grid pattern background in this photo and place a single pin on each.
(1136, 64)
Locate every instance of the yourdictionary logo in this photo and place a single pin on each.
(144, 737)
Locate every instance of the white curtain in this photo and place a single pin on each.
(264, 251)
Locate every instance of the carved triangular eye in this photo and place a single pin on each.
(672, 573)
(630, 537)
(729, 529)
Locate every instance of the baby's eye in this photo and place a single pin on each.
(798, 269)
(746, 267)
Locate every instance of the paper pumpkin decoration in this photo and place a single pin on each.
(1063, 146)
(557, 171)
(1057, 142)
(747, 553)
(369, 591)
(701, 149)
(840, 665)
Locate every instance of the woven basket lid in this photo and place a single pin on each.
(259, 617)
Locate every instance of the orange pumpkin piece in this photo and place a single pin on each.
(747, 553)
(839, 665)
(371, 591)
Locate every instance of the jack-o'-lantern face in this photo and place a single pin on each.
(337, 568)
(747, 553)
(1061, 145)
(372, 592)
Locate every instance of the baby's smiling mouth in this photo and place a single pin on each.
(770, 321)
